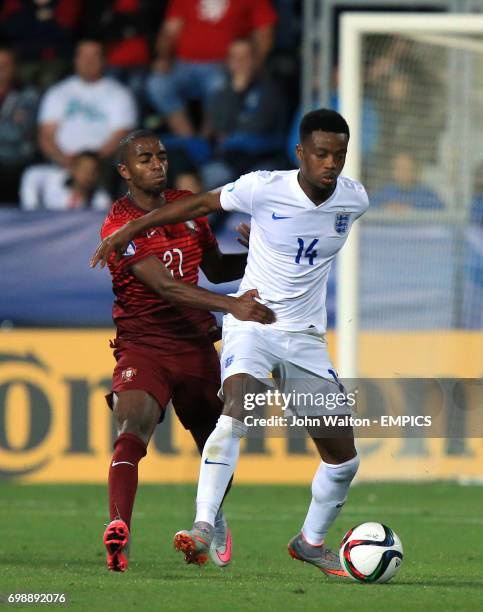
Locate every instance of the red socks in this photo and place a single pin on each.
(123, 476)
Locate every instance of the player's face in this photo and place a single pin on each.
(146, 166)
(322, 157)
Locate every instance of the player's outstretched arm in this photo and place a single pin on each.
(184, 209)
(157, 277)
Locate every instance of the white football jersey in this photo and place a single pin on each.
(293, 241)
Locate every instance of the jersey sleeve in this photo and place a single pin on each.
(207, 238)
(137, 250)
(364, 203)
(238, 196)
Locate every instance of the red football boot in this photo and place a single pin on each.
(116, 541)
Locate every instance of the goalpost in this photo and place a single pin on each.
(413, 81)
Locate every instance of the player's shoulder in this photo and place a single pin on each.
(267, 178)
(121, 211)
(121, 207)
(355, 190)
(176, 194)
(274, 176)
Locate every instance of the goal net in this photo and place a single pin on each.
(411, 278)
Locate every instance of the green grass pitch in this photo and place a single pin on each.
(51, 542)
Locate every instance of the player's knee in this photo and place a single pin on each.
(136, 418)
(228, 427)
(232, 408)
(343, 472)
(134, 425)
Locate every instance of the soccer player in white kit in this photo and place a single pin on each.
(300, 219)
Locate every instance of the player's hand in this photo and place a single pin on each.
(244, 230)
(246, 308)
(117, 242)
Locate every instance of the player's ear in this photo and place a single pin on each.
(299, 151)
(123, 171)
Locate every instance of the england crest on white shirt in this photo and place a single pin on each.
(342, 223)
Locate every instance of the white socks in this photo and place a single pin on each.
(218, 462)
(329, 492)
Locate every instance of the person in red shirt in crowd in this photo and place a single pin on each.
(192, 46)
(165, 331)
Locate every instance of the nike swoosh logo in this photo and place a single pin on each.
(276, 217)
(114, 463)
(225, 556)
(208, 462)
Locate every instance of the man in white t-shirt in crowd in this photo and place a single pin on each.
(86, 111)
(47, 186)
(300, 219)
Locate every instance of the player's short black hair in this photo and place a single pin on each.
(324, 120)
(132, 137)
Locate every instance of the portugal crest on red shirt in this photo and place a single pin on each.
(128, 374)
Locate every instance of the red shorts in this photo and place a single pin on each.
(190, 379)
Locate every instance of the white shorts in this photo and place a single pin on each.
(262, 351)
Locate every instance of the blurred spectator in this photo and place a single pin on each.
(18, 108)
(248, 119)
(128, 29)
(50, 187)
(406, 93)
(41, 33)
(87, 111)
(405, 191)
(192, 45)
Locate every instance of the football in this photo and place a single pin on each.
(371, 552)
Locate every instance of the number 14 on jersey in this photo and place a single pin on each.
(309, 251)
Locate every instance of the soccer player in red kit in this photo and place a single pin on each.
(165, 330)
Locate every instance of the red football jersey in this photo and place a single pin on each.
(140, 314)
(210, 27)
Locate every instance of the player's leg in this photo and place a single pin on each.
(218, 463)
(339, 460)
(221, 546)
(140, 393)
(221, 451)
(137, 414)
(244, 360)
(330, 485)
(198, 407)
